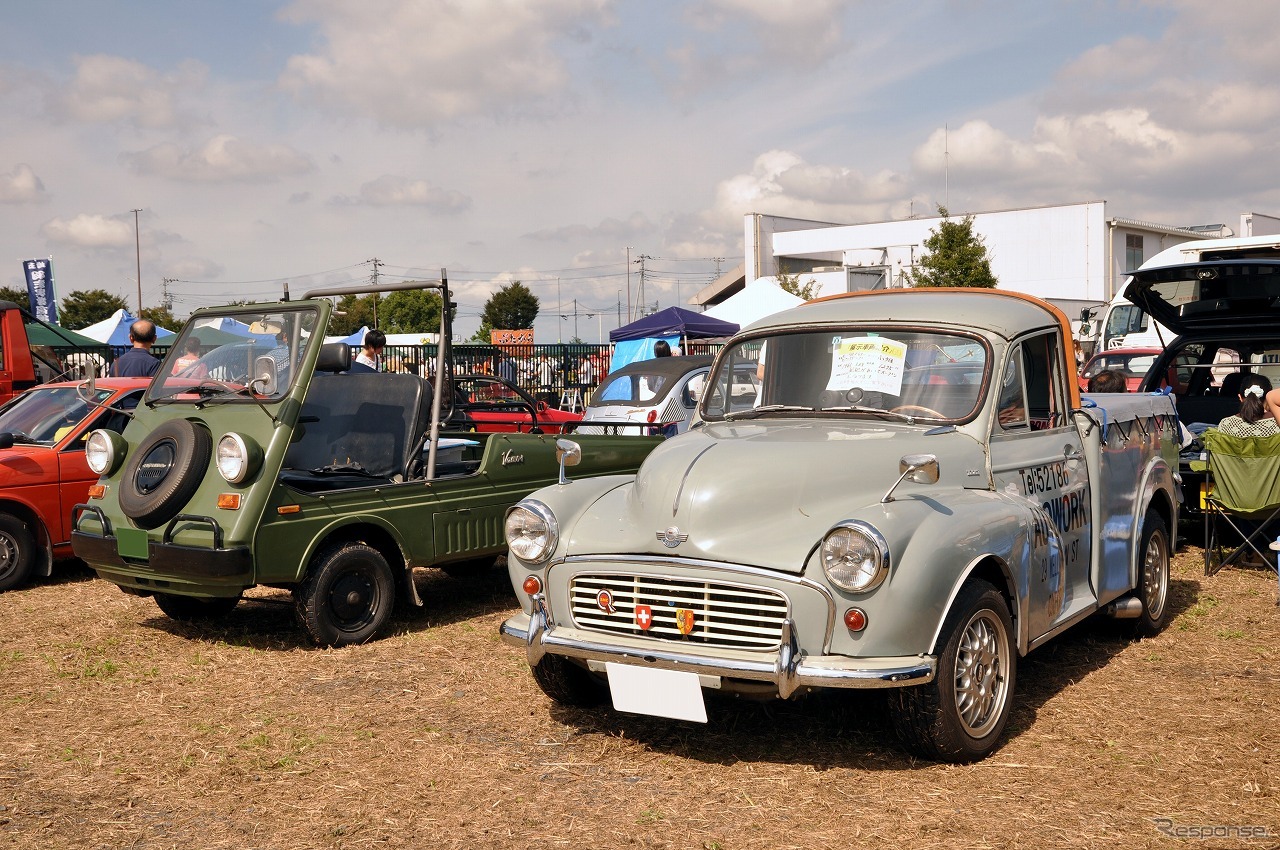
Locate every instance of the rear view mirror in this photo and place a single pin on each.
(264, 375)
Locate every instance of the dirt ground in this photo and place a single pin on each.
(124, 729)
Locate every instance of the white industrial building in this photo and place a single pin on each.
(1073, 254)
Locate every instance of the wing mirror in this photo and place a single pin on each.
(568, 453)
(264, 369)
(921, 469)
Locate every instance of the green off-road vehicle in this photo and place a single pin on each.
(257, 457)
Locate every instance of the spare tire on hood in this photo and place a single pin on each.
(164, 472)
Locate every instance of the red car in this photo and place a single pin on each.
(488, 404)
(1133, 362)
(43, 471)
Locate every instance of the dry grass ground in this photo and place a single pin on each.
(124, 729)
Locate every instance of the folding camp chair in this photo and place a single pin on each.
(1240, 499)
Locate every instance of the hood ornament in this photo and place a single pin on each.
(671, 538)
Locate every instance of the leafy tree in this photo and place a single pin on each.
(791, 283)
(85, 307)
(510, 308)
(353, 313)
(17, 296)
(410, 311)
(956, 256)
(162, 316)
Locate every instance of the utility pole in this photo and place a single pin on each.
(576, 313)
(166, 297)
(628, 284)
(640, 288)
(559, 309)
(137, 248)
(373, 280)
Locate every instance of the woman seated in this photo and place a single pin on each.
(1257, 416)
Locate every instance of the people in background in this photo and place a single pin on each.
(138, 361)
(189, 357)
(662, 348)
(1254, 418)
(1108, 381)
(370, 357)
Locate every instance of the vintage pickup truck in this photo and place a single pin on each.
(917, 497)
(265, 462)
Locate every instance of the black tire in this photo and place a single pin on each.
(567, 683)
(347, 596)
(164, 472)
(195, 609)
(960, 715)
(1153, 579)
(17, 552)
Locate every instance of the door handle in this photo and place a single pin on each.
(1070, 452)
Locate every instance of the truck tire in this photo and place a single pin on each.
(1153, 578)
(195, 609)
(960, 715)
(17, 552)
(347, 596)
(164, 472)
(567, 683)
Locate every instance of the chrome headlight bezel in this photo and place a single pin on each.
(854, 556)
(532, 531)
(104, 451)
(237, 457)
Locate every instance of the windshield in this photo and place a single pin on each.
(241, 355)
(44, 416)
(888, 374)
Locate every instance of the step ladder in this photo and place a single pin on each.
(571, 400)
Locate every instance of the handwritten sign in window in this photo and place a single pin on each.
(874, 363)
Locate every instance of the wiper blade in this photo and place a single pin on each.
(874, 411)
(768, 408)
(19, 437)
(346, 468)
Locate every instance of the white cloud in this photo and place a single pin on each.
(420, 64)
(782, 183)
(90, 231)
(21, 186)
(610, 230)
(390, 190)
(224, 158)
(108, 89)
(193, 268)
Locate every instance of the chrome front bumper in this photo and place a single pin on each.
(788, 669)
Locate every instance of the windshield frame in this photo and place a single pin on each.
(709, 406)
(223, 372)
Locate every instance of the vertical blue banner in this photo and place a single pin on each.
(44, 303)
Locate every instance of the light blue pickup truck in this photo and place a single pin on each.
(916, 497)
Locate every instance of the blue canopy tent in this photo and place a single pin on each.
(635, 341)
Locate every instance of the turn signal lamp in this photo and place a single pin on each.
(97, 491)
(532, 585)
(855, 619)
(653, 415)
(229, 501)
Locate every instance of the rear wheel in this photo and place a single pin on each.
(1153, 578)
(567, 683)
(194, 609)
(17, 552)
(959, 716)
(347, 596)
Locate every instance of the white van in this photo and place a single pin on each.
(1125, 325)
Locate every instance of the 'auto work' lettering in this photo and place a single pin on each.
(1069, 511)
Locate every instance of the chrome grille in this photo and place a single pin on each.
(724, 614)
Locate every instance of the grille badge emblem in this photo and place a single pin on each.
(604, 601)
(684, 621)
(671, 538)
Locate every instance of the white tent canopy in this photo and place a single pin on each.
(762, 297)
(114, 330)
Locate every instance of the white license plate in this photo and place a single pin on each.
(659, 693)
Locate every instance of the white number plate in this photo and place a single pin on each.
(659, 693)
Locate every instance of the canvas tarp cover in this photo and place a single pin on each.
(674, 321)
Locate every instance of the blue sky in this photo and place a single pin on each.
(538, 141)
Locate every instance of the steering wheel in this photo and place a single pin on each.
(910, 409)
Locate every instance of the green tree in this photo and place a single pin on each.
(85, 307)
(956, 256)
(353, 313)
(162, 316)
(510, 308)
(17, 296)
(410, 311)
(791, 283)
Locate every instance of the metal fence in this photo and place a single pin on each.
(560, 374)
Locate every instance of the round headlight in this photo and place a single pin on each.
(532, 531)
(855, 557)
(237, 457)
(100, 452)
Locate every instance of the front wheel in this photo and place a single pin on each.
(347, 596)
(17, 552)
(959, 716)
(1153, 578)
(567, 683)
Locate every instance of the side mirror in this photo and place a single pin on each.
(568, 453)
(264, 379)
(88, 388)
(6, 440)
(922, 469)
